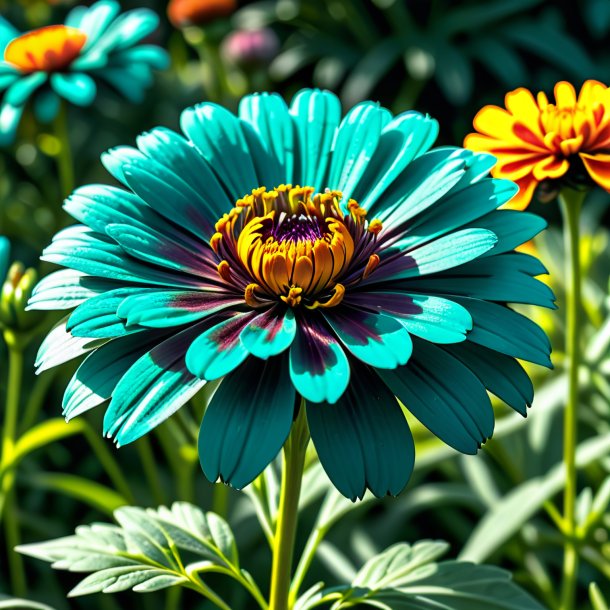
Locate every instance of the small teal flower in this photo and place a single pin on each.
(384, 277)
(65, 61)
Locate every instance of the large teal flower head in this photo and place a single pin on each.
(383, 277)
(65, 61)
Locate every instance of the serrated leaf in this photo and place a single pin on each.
(142, 552)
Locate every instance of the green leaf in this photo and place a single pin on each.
(405, 577)
(510, 513)
(143, 552)
(14, 603)
(597, 599)
(98, 496)
(453, 73)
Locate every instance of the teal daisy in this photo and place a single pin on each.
(383, 279)
(66, 61)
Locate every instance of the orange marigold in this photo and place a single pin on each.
(198, 12)
(536, 141)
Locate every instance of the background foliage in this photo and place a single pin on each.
(441, 57)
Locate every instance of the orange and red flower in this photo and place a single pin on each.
(535, 140)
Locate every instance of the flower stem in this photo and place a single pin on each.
(11, 522)
(293, 464)
(65, 161)
(571, 203)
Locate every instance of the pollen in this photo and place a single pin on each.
(48, 49)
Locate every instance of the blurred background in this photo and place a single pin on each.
(442, 57)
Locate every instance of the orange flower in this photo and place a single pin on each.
(198, 12)
(535, 140)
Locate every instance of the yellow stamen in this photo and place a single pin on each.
(293, 298)
(371, 265)
(224, 271)
(375, 226)
(335, 299)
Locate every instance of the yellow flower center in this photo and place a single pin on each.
(293, 245)
(49, 49)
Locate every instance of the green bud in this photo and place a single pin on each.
(16, 292)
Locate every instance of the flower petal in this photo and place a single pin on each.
(444, 395)
(270, 333)
(363, 441)
(374, 338)
(154, 388)
(319, 368)
(218, 350)
(76, 87)
(246, 422)
(316, 115)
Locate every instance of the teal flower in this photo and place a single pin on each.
(66, 61)
(385, 277)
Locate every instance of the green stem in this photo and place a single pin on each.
(285, 530)
(316, 537)
(65, 161)
(36, 398)
(220, 500)
(151, 471)
(11, 522)
(571, 203)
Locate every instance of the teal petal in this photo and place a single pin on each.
(64, 289)
(148, 54)
(7, 33)
(439, 320)
(219, 137)
(428, 178)
(500, 374)
(218, 350)
(9, 121)
(363, 441)
(116, 159)
(154, 388)
(374, 338)
(60, 346)
(456, 209)
(75, 17)
(96, 378)
(20, 91)
(246, 422)
(355, 145)
(97, 317)
(268, 115)
(5, 253)
(270, 333)
(512, 227)
(163, 309)
(507, 278)
(319, 368)
(130, 81)
(95, 21)
(46, 106)
(446, 252)
(405, 138)
(316, 115)
(78, 88)
(8, 78)
(444, 395)
(508, 332)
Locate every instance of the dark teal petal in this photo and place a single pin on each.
(319, 368)
(9, 121)
(363, 441)
(247, 422)
(374, 338)
(154, 388)
(405, 138)
(270, 333)
(268, 115)
(500, 374)
(508, 332)
(355, 145)
(507, 278)
(95, 379)
(219, 137)
(513, 228)
(316, 115)
(218, 350)
(444, 395)
(7, 33)
(78, 88)
(46, 106)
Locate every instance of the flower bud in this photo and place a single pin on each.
(251, 48)
(16, 291)
(183, 13)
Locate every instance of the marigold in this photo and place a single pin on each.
(535, 141)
